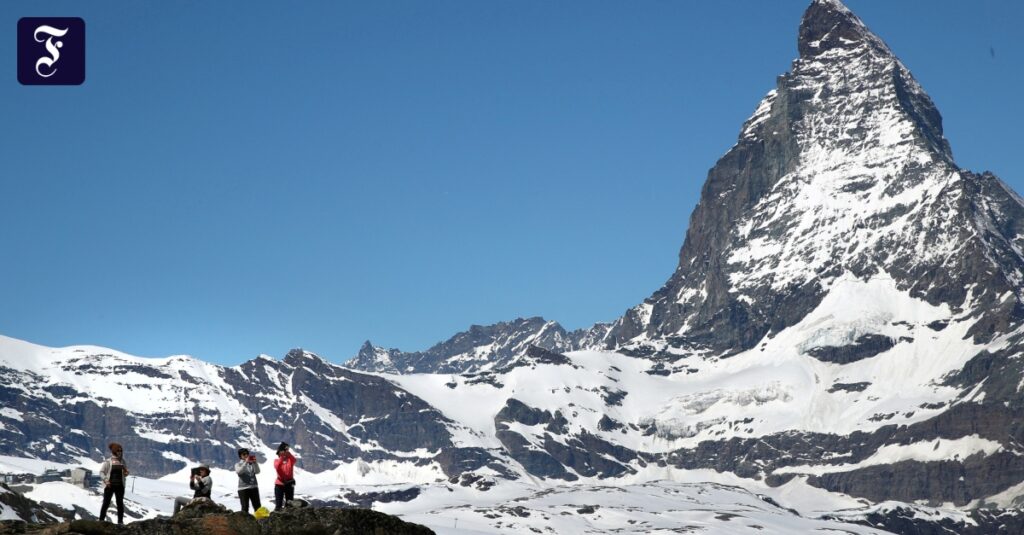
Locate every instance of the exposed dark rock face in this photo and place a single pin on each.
(50, 412)
(866, 346)
(476, 481)
(608, 424)
(590, 456)
(26, 508)
(456, 461)
(953, 481)
(584, 453)
(519, 448)
(849, 387)
(367, 499)
(910, 521)
(537, 355)
(517, 411)
(536, 462)
(957, 481)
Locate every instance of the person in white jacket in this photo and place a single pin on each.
(248, 487)
(114, 473)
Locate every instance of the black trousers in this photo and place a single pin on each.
(249, 495)
(118, 492)
(283, 493)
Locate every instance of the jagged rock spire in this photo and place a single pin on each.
(828, 24)
(832, 34)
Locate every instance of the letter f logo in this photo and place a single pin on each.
(51, 51)
(53, 48)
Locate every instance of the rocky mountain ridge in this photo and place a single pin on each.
(480, 348)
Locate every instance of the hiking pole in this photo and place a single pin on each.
(133, 484)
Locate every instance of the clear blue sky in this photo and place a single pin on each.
(238, 178)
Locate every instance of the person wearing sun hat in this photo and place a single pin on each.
(201, 483)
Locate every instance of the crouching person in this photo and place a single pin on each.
(201, 483)
(248, 488)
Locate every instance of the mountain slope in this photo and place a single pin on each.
(67, 403)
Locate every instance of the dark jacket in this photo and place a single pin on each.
(113, 471)
(202, 486)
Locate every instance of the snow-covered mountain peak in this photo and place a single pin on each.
(300, 357)
(841, 169)
(374, 358)
(839, 55)
(21, 355)
(828, 24)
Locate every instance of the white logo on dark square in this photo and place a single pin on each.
(52, 47)
(51, 51)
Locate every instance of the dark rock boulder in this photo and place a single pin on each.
(214, 524)
(199, 508)
(208, 518)
(323, 521)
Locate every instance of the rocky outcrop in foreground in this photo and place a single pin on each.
(22, 507)
(208, 518)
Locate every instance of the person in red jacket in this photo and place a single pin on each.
(284, 486)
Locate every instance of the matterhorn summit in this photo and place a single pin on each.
(841, 172)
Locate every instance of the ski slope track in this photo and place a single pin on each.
(839, 349)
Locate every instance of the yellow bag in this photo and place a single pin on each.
(262, 512)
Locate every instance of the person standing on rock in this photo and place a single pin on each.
(114, 472)
(284, 486)
(248, 487)
(201, 482)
